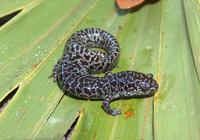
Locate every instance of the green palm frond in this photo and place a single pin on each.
(160, 37)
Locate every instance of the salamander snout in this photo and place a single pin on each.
(153, 86)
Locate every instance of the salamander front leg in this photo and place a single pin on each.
(108, 109)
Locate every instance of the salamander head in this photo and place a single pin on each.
(142, 85)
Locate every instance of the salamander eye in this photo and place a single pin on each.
(149, 75)
(144, 86)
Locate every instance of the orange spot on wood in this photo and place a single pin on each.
(129, 113)
(35, 65)
(126, 4)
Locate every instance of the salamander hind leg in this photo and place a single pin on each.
(55, 71)
(108, 109)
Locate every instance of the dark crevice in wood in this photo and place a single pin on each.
(8, 98)
(8, 17)
(69, 132)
